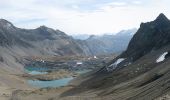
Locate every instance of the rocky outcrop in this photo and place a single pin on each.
(150, 36)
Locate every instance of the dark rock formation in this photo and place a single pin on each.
(150, 36)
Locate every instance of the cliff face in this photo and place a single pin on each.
(150, 36)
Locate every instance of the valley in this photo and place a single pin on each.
(141, 72)
(47, 64)
(49, 72)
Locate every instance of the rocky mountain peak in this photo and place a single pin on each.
(161, 21)
(43, 40)
(43, 27)
(49, 31)
(161, 17)
(150, 36)
(92, 37)
(3, 21)
(44, 30)
(6, 24)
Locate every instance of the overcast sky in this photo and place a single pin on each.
(83, 16)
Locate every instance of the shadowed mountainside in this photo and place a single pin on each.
(142, 72)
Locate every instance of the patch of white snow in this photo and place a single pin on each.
(119, 61)
(114, 65)
(79, 63)
(161, 57)
(95, 57)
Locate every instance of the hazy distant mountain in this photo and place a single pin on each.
(81, 36)
(107, 44)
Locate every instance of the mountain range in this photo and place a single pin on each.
(107, 44)
(141, 72)
(16, 43)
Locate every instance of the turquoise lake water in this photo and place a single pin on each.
(36, 72)
(53, 83)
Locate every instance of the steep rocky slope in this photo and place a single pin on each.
(151, 36)
(142, 72)
(16, 43)
(43, 38)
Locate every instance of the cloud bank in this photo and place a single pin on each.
(82, 16)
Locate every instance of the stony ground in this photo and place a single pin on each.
(54, 75)
(9, 83)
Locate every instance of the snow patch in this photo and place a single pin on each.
(119, 61)
(161, 57)
(114, 65)
(79, 63)
(42, 60)
(95, 57)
